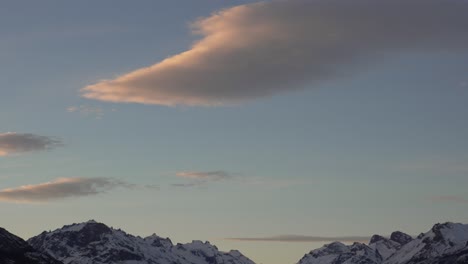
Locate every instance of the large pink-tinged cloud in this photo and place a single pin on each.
(267, 48)
(16, 143)
(61, 188)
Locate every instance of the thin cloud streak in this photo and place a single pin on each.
(193, 184)
(299, 238)
(16, 143)
(63, 188)
(206, 175)
(263, 49)
(198, 178)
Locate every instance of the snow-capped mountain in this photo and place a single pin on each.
(96, 243)
(14, 250)
(443, 244)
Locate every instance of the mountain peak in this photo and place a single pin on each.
(376, 238)
(335, 247)
(158, 241)
(400, 237)
(450, 232)
(383, 246)
(89, 231)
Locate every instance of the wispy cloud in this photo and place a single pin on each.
(197, 178)
(191, 184)
(299, 238)
(16, 143)
(262, 49)
(449, 198)
(204, 175)
(63, 188)
(86, 110)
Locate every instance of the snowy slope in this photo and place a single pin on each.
(383, 246)
(339, 253)
(14, 250)
(96, 243)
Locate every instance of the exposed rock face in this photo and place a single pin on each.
(400, 237)
(96, 243)
(14, 250)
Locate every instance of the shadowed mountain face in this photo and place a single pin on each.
(14, 250)
(443, 244)
(96, 243)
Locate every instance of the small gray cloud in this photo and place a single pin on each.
(449, 199)
(262, 49)
(198, 178)
(275, 183)
(151, 186)
(87, 110)
(16, 143)
(299, 238)
(63, 188)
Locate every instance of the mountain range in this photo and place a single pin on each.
(95, 243)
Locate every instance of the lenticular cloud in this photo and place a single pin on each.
(262, 49)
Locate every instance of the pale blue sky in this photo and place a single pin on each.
(365, 153)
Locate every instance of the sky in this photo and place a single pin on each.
(269, 127)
